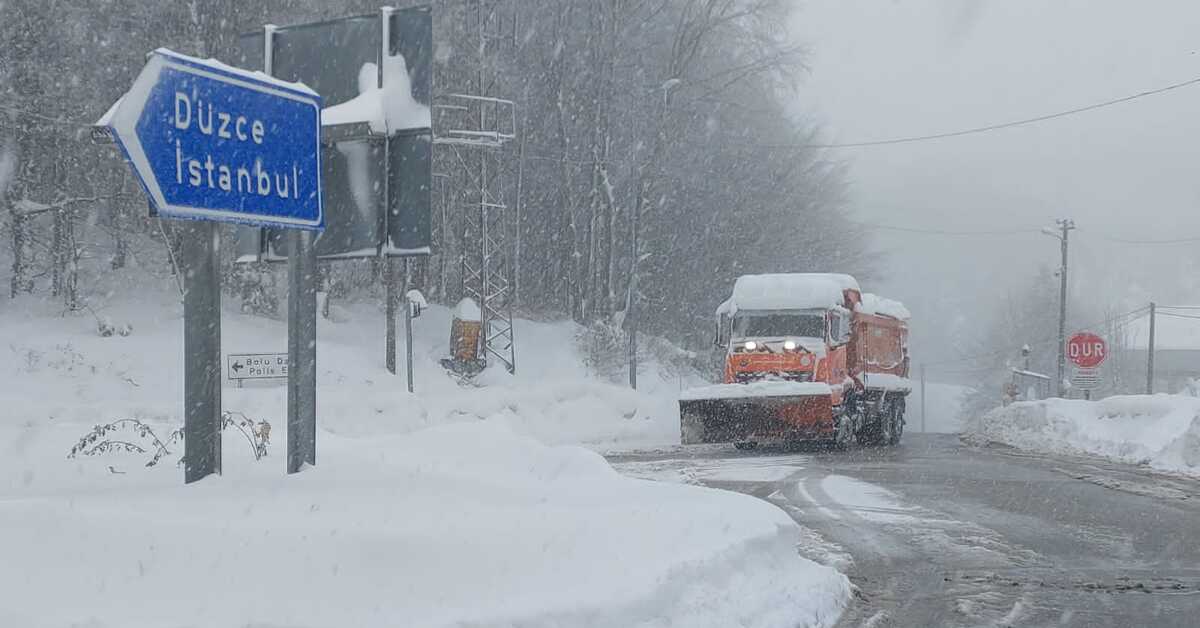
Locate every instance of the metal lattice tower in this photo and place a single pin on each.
(476, 129)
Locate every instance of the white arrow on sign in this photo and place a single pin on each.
(213, 142)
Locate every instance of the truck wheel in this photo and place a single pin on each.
(843, 438)
(887, 428)
(877, 430)
(896, 418)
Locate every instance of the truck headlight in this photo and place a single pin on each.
(751, 345)
(789, 345)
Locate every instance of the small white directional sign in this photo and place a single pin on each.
(240, 366)
(1086, 379)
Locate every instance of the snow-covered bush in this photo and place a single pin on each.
(134, 436)
(256, 286)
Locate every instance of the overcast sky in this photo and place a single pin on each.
(888, 68)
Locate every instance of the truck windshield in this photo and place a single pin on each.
(778, 324)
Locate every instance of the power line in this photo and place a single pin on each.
(1120, 318)
(992, 127)
(1151, 242)
(1172, 315)
(944, 231)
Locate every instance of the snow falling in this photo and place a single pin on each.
(681, 313)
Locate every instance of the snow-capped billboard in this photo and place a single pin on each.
(376, 119)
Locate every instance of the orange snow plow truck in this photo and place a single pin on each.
(807, 357)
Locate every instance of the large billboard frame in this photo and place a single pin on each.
(394, 167)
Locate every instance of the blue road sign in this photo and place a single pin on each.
(212, 142)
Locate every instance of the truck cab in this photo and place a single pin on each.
(788, 344)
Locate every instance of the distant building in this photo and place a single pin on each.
(1176, 352)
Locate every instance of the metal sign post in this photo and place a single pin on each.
(302, 353)
(201, 352)
(302, 327)
(922, 398)
(213, 143)
(414, 301)
(389, 297)
(408, 348)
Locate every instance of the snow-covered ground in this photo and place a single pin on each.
(455, 506)
(1161, 431)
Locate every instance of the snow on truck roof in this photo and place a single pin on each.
(875, 304)
(788, 291)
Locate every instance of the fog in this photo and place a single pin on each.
(881, 70)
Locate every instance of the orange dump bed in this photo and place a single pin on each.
(880, 345)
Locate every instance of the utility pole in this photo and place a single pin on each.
(922, 398)
(1150, 354)
(1061, 232)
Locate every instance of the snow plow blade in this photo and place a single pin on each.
(759, 412)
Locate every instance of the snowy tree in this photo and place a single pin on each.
(657, 153)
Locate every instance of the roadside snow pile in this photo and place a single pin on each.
(460, 525)
(434, 509)
(1161, 431)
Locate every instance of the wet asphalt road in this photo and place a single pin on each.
(936, 532)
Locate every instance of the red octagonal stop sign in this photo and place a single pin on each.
(1087, 350)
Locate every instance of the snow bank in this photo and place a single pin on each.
(452, 526)
(788, 291)
(1162, 431)
(755, 389)
(875, 304)
(434, 509)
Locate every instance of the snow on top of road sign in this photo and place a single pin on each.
(468, 310)
(790, 291)
(755, 389)
(220, 68)
(389, 109)
(254, 75)
(416, 298)
(875, 304)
